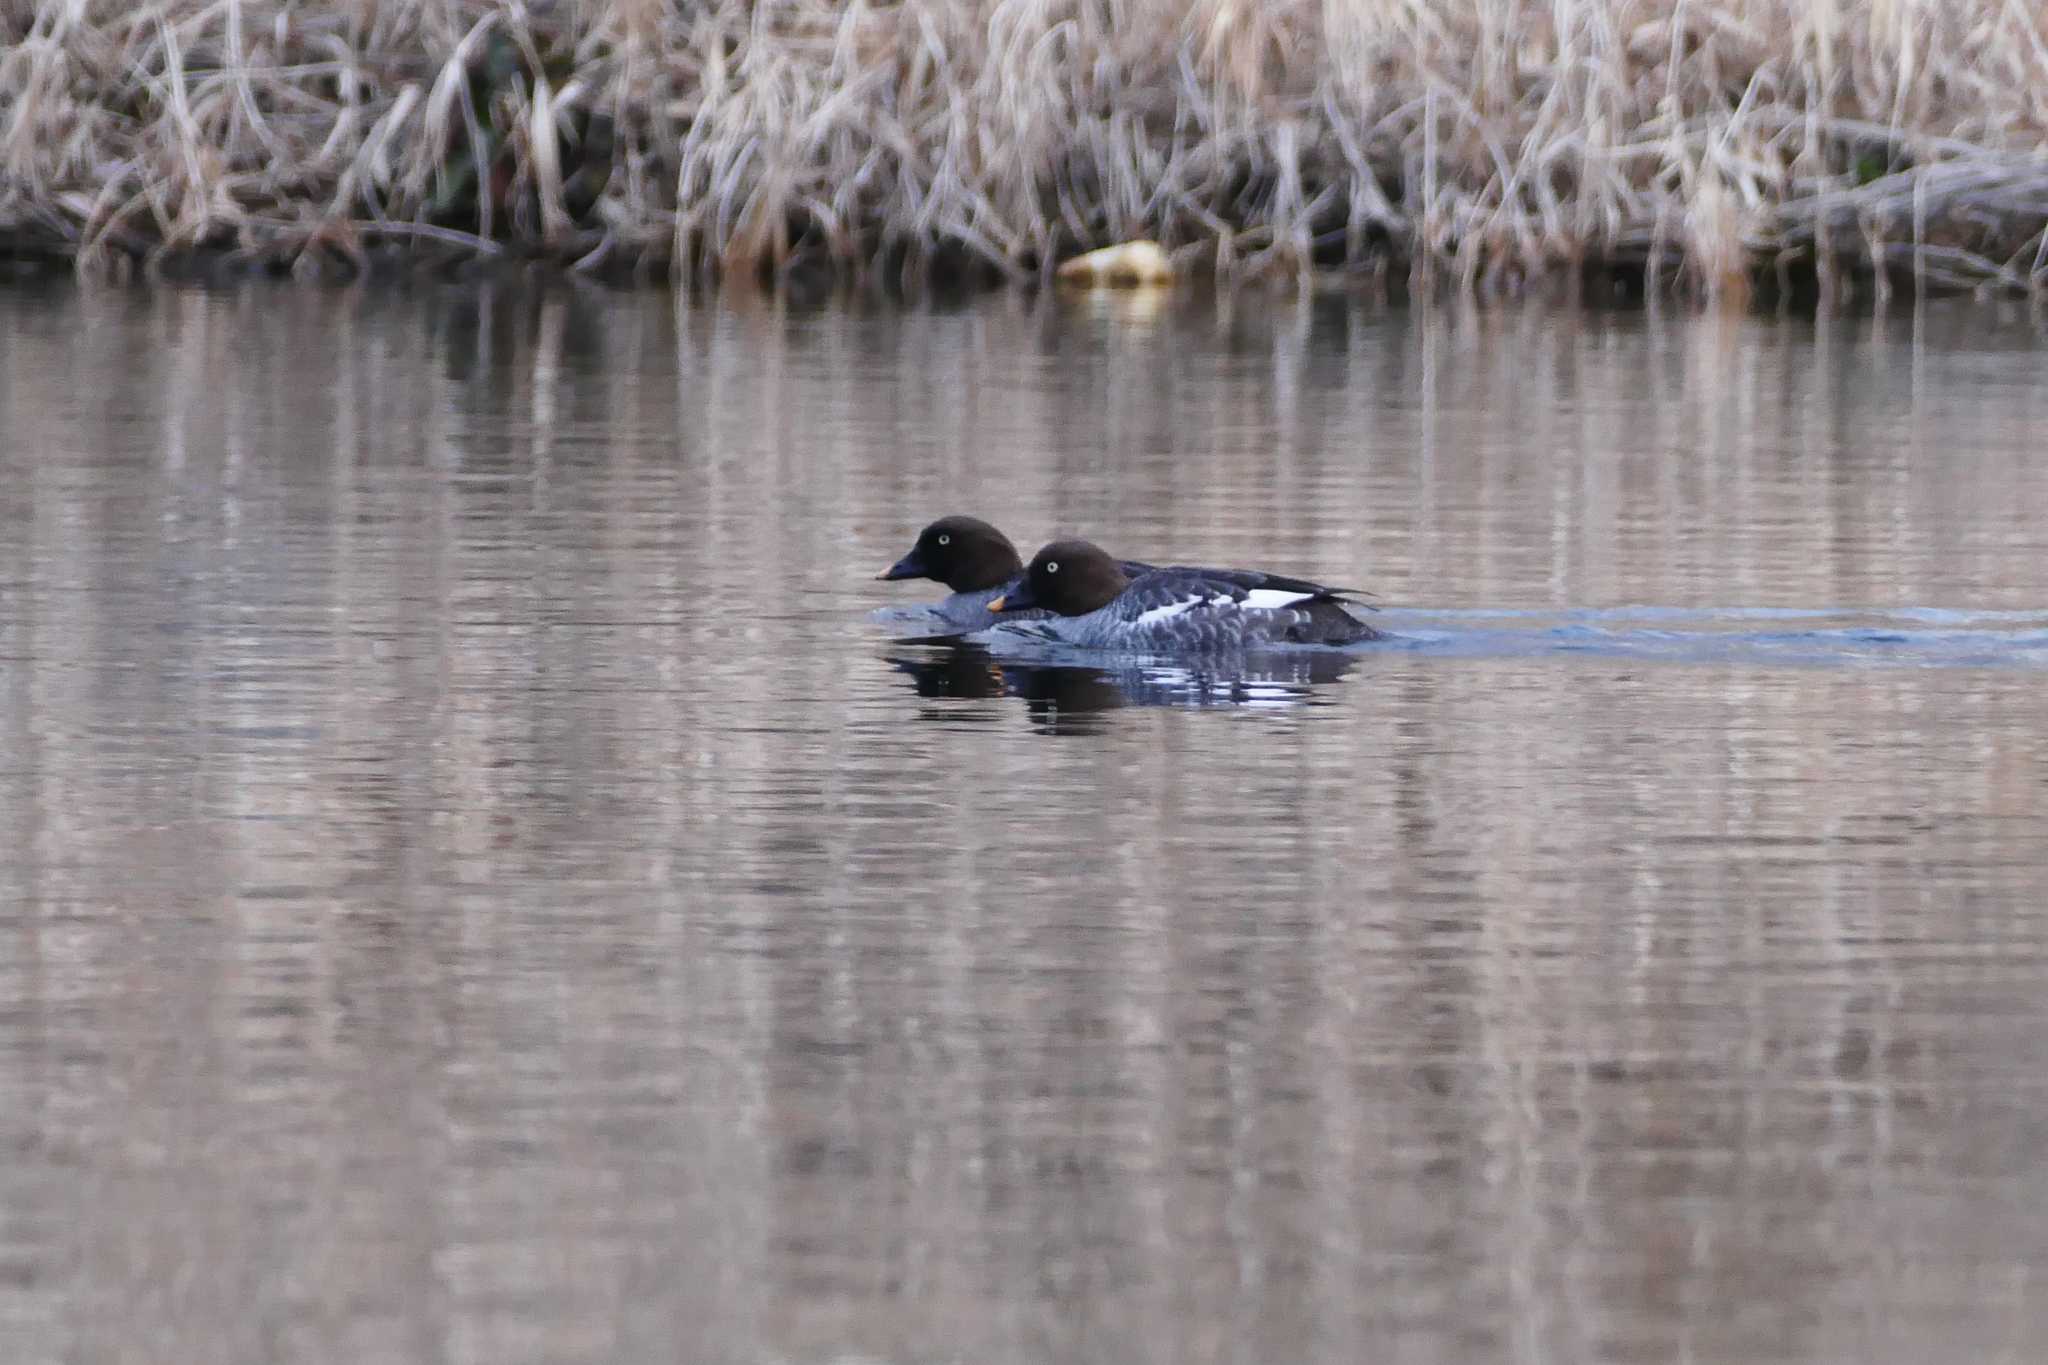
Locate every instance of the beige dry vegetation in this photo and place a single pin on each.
(1479, 143)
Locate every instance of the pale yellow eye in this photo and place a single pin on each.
(945, 540)
(1052, 566)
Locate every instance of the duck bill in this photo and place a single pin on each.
(910, 566)
(1018, 598)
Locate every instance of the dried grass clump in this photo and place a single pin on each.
(1483, 142)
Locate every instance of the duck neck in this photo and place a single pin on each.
(991, 570)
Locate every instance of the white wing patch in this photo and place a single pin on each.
(1272, 599)
(1154, 615)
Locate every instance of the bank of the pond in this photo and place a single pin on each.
(1659, 144)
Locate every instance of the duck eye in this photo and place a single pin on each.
(945, 540)
(1052, 566)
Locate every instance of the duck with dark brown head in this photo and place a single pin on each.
(973, 559)
(1096, 604)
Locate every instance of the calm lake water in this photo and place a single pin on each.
(490, 877)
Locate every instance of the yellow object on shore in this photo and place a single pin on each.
(1127, 265)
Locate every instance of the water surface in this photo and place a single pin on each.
(491, 879)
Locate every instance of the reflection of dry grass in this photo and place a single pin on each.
(1485, 141)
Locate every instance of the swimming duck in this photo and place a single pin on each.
(1097, 604)
(977, 562)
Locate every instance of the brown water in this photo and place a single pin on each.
(481, 885)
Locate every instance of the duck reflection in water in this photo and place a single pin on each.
(958, 671)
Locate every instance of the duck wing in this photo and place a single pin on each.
(1258, 580)
(1164, 594)
(1201, 608)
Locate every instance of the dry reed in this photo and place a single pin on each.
(1483, 143)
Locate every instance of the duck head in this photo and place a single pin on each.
(1068, 577)
(964, 553)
